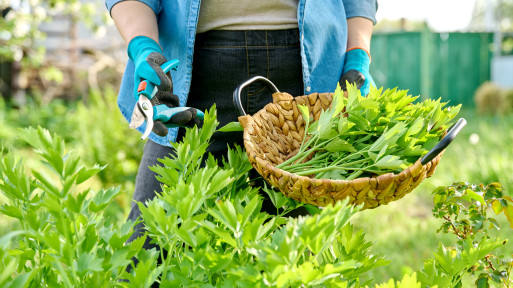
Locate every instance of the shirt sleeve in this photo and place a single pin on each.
(153, 4)
(361, 8)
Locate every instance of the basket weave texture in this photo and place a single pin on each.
(275, 133)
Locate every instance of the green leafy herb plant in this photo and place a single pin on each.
(62, 239)
(364, 136)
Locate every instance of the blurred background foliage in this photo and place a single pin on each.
(66, 80)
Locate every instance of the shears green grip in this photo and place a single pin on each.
(149, 90)
(164, 113)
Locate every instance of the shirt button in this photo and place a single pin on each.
(308, 88)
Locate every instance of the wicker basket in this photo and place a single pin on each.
(275, 133)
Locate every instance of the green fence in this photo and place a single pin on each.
(432, 65)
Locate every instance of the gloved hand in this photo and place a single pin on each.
(356, 70)
(147, 57)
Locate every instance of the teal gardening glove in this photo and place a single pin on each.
(147, 57)
(356, 70)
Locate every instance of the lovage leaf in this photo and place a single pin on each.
(339, 145)
(305, 113)
(88, 262)
(390, 162)
(231, 127)
(85, 174)
(103, 198)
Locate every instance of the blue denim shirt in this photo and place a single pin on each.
(323, 32)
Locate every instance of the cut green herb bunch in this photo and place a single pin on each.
(365, 136)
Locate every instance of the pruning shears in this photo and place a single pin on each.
(145, 111)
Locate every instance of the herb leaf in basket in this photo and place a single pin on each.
(358, 136)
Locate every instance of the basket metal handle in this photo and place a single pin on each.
(453, 131)
(236, 94)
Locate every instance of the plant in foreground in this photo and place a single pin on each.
(208, 224)
(63, 239)
(210, 230)
(465, 210)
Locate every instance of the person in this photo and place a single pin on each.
(301, 46)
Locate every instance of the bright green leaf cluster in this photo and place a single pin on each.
(63, 240)
(363, 136)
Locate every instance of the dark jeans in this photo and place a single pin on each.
(222, 61)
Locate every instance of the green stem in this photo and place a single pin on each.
(345, 166)
(312, 162)
(63, 274)
(352, 155)
(354, 175)
(304, 151)
(297, 156)
(320, 175)
(167, 260)
(313, 150)
(326, 169)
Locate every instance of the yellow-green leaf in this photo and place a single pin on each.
(508, 211)
(497, 207)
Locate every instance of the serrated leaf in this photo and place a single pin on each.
(416, 127)
(103, 198)
(497, 207)
(308, 272)
(45, 182)
(390, 162)
(5, 239)
(336, 174)
(119, 237)
(75, 203)
(339, 145)
(508, 211)
(216, 262)
(473, 195)
(381, 152)
(186, 232)
(360, 121)
(11, 211)
(277, 198)
(330, 134)
(88, 262)
(226, 214)
(338, 102)
(370, 104)
(304, 112)
(231, 127)
(120, 258)
(84, 174)
(323, 124)
(344, 125)
(250, 209)
(222, 234)
(435, 117)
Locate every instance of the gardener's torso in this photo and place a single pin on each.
(323, 35)
(247, 15)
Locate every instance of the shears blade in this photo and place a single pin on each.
(137, 118)
(143, 111)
